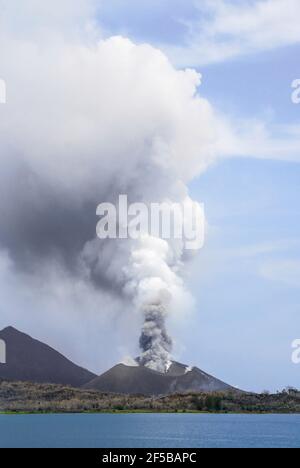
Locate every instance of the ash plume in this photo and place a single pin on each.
(154, 284)
(87, 120)
(155, 343)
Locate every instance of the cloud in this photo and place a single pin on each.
(81, 123)
(263, 249)
(268, 260)
(225, 30)
(47, 20)
(242, 137)
(286, 272)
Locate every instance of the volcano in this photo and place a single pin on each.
(29, 360)
(179, 378)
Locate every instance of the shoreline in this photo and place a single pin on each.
(30, 398)
(43, 413)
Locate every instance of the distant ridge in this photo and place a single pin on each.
(180, 378)
(33, 361)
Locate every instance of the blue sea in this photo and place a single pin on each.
(149, 431)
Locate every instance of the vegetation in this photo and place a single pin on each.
(20, 397)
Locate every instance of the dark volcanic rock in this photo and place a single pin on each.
(141, 380)
(32, 361)
(131, 380)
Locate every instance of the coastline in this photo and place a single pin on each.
(116, 412)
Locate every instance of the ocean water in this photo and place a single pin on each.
(149, 431)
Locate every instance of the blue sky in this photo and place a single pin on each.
(157, 21)
(245, 279)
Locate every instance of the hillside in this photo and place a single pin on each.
(31, 360)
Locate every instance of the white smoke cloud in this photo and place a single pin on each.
(85, 121)
(129, 361)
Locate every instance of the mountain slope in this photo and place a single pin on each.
(141, 380)
(30, 360)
